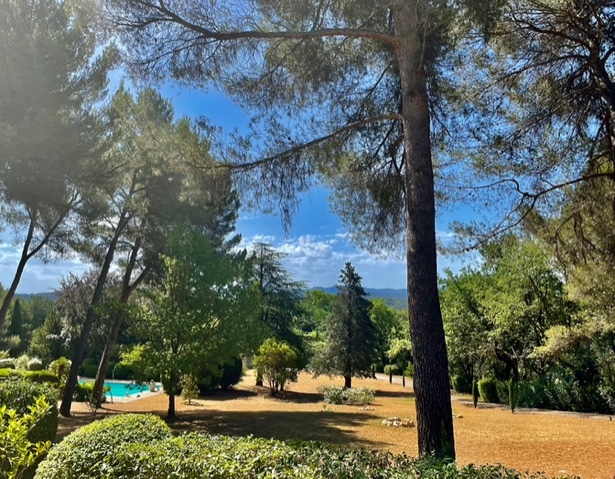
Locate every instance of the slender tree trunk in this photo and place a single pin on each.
(21, 266)
(431, 382)
(127, 290)
(172, 388)
(71, 382)
(347, 382)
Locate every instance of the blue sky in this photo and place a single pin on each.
(317, 244)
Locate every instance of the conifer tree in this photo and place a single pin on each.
(351, 335)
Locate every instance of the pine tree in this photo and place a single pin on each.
(351, 334)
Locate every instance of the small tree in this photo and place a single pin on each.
(351, 334)
(190, 389)
(277, 363)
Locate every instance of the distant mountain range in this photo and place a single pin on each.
(397, 298)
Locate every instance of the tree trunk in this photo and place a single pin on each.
(431, 381)
(71, 382)
(21, 266)
(127, 290)
(171, 416)
(347, 382)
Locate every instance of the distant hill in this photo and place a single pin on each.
(396, 298)
(27, 297)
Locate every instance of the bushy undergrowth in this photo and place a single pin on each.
(217, 457)
(92, 451)
(33, 376)
(488, 390)
(19, 395)
(339, 395)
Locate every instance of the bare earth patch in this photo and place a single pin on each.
(527, 440)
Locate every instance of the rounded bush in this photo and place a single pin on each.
(488, 390)
(461, 383)
(123, 371)
(34, 364)
(91, 371)
(92, 451)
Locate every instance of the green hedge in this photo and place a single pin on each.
(488, 389)
(33, 376)
(92, 450)
(20, 395)
(86, 454)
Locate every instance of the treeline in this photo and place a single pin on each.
(525, 322)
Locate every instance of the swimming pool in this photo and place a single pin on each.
(118, 389)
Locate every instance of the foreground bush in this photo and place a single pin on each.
(91, 450)
(217, 457)
(339, 395)
(18, 454)
(277, 363)
(21, 395)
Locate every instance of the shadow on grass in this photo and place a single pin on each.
(324, 426)
(394, 394)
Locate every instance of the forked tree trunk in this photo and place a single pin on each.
(71, 382)
(431, 382)
(127, 289)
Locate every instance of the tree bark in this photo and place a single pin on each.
(127, 290)
(431, 381)
(347, 382)
(172, 388)
(71, 382)
(21, 266)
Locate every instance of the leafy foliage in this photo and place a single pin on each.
(351, 334)
(338, 395)
(278, 363)
(217, 457)
(18, 453)
(21, 395)
(90, 450)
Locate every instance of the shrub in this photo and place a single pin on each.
(22, 362)
(20, 395)
(18, 454)
(487, 388)
(84, 392)
(61, 368)
(9, 373)
(231, 374)
(512, 394)
(474, 392)
(7, 363)
(361, 396)
(90, 371)
(123, 371)
(333, 394)
(278, 363)
(339, 395)
(90, 451)
(190, 390)
(34, 364)
(218, 457)
(461, 383)
(391, 369)
(40, 376)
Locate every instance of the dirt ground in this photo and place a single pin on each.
(547, 441)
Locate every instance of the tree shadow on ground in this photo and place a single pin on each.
(394, 394)
(324, 426)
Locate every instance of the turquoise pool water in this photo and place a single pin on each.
(121, 389)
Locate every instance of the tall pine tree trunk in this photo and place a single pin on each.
(431, 382)
(127, 290)
(71, 382)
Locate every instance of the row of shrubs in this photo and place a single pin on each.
(42, 376)
(142, 447)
